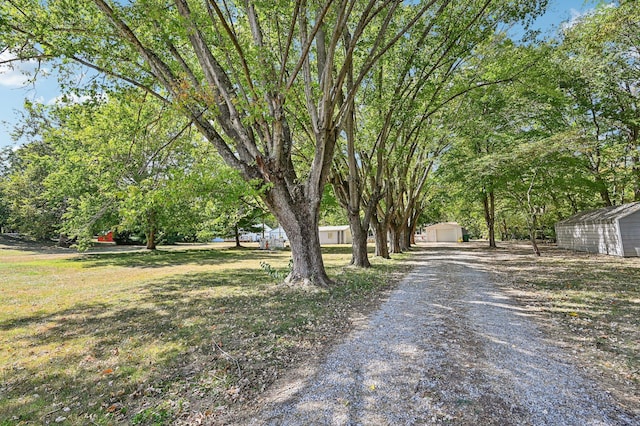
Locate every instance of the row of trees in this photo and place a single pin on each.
(410, 111)
(558, 139)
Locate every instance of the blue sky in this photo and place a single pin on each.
(14, 88)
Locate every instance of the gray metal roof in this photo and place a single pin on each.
(603, 215)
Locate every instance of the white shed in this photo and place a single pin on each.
(277, 234)
(274, 239)
(335, 234)
(611, 230)
(443, 232)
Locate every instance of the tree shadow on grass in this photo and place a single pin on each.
(28, 245)
(343, 249)
(159, 258)
(200, 337)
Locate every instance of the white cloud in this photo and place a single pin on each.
(576, 15)
(17, 74)
(71, 98)
(68, 99)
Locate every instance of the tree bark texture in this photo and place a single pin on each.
(359, 254)
(236, 233)
(489, 205)
(299, 219)
(395, 234)
(151, 230)
(381, 235)
(533, 233)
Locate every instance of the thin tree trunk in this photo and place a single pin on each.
(574, 206)
(533, 225)
(604, 192)
(532, 218)
(237, 235)
(504, 230)
(151, 230)
(488, 201)
(151, 240)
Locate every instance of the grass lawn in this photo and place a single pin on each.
(153, 337)
(180, 335)
(592, 308)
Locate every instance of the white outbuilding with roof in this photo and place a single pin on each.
(443, 232)
(611, 230)
(340, 234)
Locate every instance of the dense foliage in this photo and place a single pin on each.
(413, 112)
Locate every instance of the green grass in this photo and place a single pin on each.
(147, 337)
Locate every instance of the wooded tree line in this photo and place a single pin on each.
(205, 111)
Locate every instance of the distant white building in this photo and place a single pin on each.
(257, 233)
(449, 232)
(277, 238)
(274, 239)
(611, 230)
(277, 234)
(340, 234)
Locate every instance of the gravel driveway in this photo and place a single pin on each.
(447, 347)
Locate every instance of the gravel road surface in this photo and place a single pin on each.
(447, 347)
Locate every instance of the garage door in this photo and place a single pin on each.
(447, 235)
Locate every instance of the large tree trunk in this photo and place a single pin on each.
(395, 239)
(406, 237)
(414, 226)
(308, 266)
(299, 218)
(359, 255)
(382, 242)
(488, 201)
